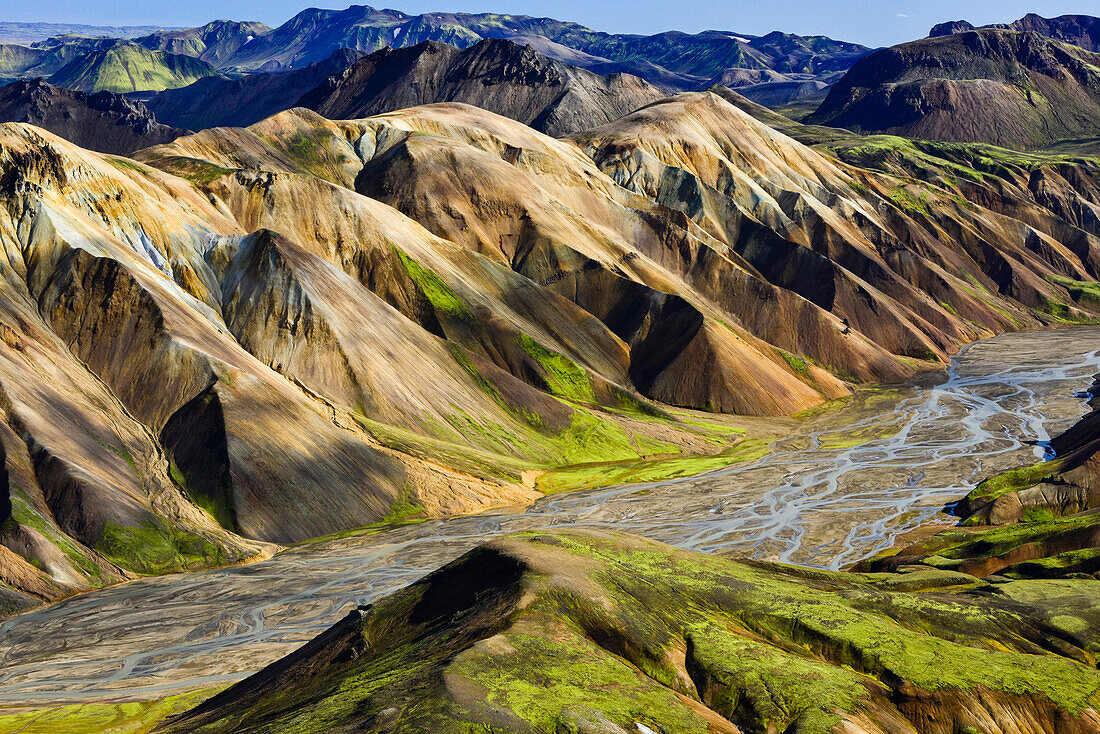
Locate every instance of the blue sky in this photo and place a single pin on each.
(872, 22)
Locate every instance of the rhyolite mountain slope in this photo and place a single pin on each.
(104, 121)
(606, 633)
(307, 326)
(1012, 89)
(495, 75)
(1079, 30)
(179, 377)
(219, 101)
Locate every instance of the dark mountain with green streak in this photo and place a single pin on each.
(1012, 89)
(607, 633)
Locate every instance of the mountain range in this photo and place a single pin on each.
(265, 286)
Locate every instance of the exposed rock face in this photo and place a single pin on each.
(496, 75)
(1012, 89)
(215, 101)
(106, 122)
(1079, 30)
(604, 632)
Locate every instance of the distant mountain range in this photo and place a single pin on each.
(673, 61)
(1025, 84)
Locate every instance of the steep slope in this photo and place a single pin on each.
(127, 67)
(539, 208)
(215, 43)
(216, 101)
(495, 75)
(265, 356)
(605, 632)
(757, 213)
(104, 121)
(1015, 90)
(1078, 30)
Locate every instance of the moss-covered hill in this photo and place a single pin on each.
(606, 632)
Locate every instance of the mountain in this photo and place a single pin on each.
(267, 334)
(104, 121)
(603, 632)
(496, 75)
(213, 43)
(673, 60)
(127, 67)
(221, 101)
(1078, 30)
(45, 58)
(1011, 89)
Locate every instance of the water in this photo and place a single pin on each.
(815, 500)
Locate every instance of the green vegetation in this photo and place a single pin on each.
(1013, 481)
(154, 548)
(1082, 291)
(573, 631)
(563, 376)
(444, 300)
(24, 513)
(102, 718)
(130, 68)
(796, 363)
(597, 475)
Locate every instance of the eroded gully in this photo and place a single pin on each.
(814, 500)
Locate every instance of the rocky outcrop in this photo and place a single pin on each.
(605, 632)
(496, 75)
(106, 122)
(1012, 89)
(1078, 30)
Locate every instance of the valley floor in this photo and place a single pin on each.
(847, 483)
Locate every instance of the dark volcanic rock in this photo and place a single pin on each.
(496, 75)
(1079, 30)
(103, 121)
(219, 101)
(1016, 90)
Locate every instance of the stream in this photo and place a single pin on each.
(842, 487)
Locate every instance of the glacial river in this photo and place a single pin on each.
(815, 500)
